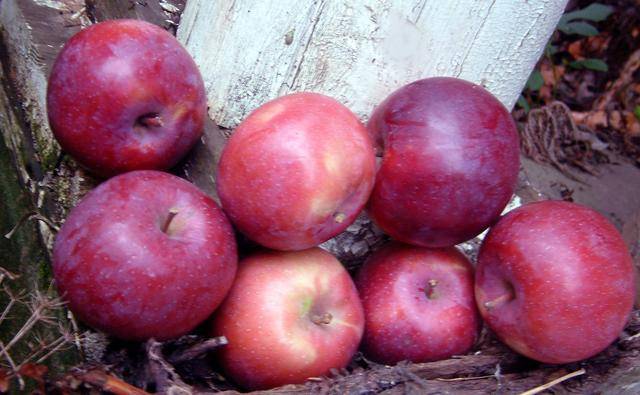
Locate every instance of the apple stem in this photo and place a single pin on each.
(339, 217)
(322, 318)
(504, 298)
(172, 213)
(151, 120)
(430, 290)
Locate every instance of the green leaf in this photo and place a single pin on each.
(524, 104)
(551, 49)
(595, 12)
(591, 64)
(535, 81)
(581, 28)
(636, 112)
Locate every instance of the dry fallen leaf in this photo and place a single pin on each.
(4, 380)
(622, 121)
(576, 50)
(596, 45)
(593, 120)
(632, 125)
(34, 371)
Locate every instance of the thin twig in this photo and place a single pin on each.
(12, 301)
(12, 365)
(7, 309)
(33, 319)
(64, 341)
(51, 348)
(197, 350)
(110, 383)
(633, 337)
(625, 78)
(161, 370)
(32, 215)
(76, 331)
(5, 273)
(42, 304)
(466, 378)
(550, 384)
(498, 374)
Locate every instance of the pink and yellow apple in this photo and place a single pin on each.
(296, 172)
(289, 316)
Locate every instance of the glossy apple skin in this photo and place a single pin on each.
(268, 319)
(418, 303)
(296, 172)
(111, 75)
(570, 277)
(450, 162)
(122, 274)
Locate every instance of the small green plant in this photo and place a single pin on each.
(578, 22)
(534, 83)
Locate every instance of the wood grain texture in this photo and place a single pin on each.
(360, 51)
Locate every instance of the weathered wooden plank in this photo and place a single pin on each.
(360, 51)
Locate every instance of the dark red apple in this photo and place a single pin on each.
(125, 95)
(418, 304)
(450, 162)
(555, 281)
(289, 316)
(296, 172)
(145, 254)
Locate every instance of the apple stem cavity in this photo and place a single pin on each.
(430, 289)
(151, 120)
(172, 213)
(322, 319)
(502, 299)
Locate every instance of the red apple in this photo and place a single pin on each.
(296, 172)
(145, 254)
(555, 281)
(450, 162)
(418, 304)
(125, 95)
(289, 316)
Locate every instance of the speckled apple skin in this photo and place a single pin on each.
(450, 162)
(121, 274)
(572, 279)
(266, 319)
(401, 321)
(110, 74)
(296, 172)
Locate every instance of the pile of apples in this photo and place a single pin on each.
(146, 254)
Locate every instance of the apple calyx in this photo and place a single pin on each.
(339, 217)
(321, 319)
(430, 289)
(165, 227)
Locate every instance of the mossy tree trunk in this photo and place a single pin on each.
(38, 183)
